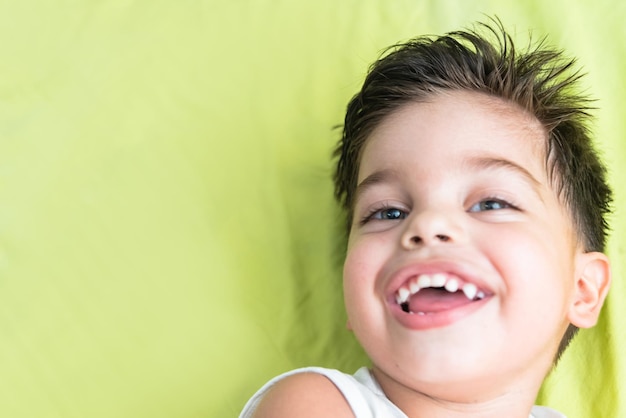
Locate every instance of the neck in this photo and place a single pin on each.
(484, 400)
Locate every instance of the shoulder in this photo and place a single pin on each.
(303, 395)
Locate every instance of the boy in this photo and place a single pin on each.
(476, 214)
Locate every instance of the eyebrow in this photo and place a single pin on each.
(377, 177)
(474, 163)
(501, 163)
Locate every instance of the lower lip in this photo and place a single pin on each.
(435, 320)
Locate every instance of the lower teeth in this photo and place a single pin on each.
(405, 305)
(405, 308)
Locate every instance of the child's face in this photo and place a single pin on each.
(455, 191)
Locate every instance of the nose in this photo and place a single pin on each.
(432, 228)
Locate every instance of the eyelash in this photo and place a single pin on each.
(493, 199)
(505, 204)
(380, 209)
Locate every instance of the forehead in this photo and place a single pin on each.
(451, 127)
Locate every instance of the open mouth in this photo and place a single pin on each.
(429, 294)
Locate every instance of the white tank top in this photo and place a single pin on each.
(363, 394)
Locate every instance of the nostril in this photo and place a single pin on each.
(415, 241)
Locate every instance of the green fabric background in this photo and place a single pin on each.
(168, 238)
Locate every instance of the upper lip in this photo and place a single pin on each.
(464, 272)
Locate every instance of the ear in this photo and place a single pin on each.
(592, 282)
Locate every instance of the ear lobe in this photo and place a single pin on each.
(592, 282)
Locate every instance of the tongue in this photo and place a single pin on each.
(436, 300)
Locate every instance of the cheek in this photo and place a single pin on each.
(362, 266)
(365, 257)
(356, 270)
(532, 250)
(533, 298)
(537, 271)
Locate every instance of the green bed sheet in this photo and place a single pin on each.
(168, 237)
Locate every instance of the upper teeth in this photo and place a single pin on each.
(439, 280)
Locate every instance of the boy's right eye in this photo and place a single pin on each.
(385, 214)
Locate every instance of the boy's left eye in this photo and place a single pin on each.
(489, 204)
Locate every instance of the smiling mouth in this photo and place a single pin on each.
(429, 294)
